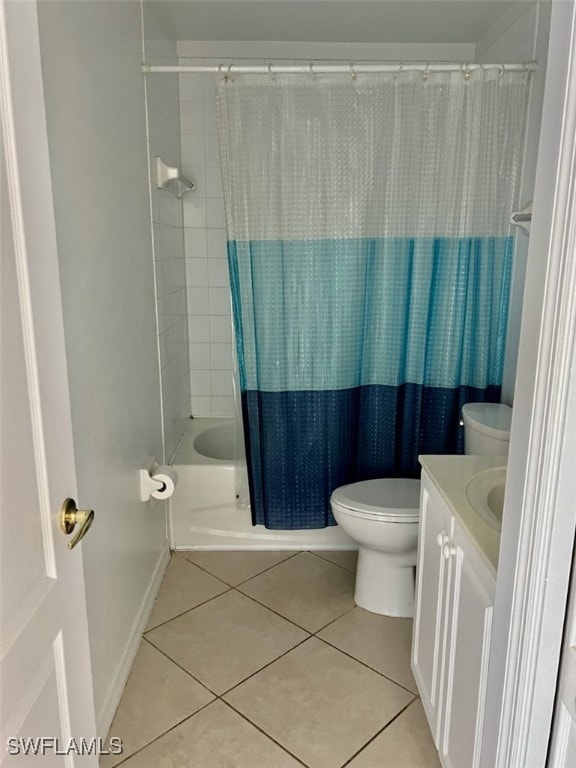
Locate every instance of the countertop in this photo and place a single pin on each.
(450, 475)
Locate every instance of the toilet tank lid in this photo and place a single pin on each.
(492, 419)
(394, 497)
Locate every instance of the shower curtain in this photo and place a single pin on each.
(370, 260)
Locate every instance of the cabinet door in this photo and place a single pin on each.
(431, 583)
(469, 624)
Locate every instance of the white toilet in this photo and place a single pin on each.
(382, 516)
(486, 429)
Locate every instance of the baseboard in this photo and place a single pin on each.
(106, 714)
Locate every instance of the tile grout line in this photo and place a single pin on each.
(156, 738)
(298, 626)
(262, 605)
(364, 664)
(326, 560)
(180, 667)
(263, 732)
(219, 697)
(378, 733)
(240, 682)
(333, 621)
(261, 669)
(178, 615)
(233, 586)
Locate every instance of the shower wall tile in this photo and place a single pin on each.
(198, 301)
(218, 273)
(165, 135)
(220, 329)
(195, 212)
(219, 301)
(221, 357)
(201, 407)
(212, 151)
(191, 87)
(215, 217)
(198, 329)
(214, 184)
(210, 119)
(200, 357)
(195, 243)
(221, 383)
(172, 306)
(168, 242)
(207, 280)
(193, 149)
(222, 406)
(163, 107)
(172, 340)
(200, 383)
(170, 276)
(216, 243)
(197, 273)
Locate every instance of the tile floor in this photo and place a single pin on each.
(261, 660)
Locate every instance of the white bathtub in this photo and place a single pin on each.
(203, 510)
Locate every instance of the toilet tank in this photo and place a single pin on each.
(486, 429)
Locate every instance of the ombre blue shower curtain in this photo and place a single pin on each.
(370, 260)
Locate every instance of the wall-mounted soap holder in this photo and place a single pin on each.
(169, 177)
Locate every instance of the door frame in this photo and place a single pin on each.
(540, 513)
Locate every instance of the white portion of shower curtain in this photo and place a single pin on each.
(384, 155)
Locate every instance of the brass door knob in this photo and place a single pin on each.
(71, 516)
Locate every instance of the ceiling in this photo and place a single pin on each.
(378, 21)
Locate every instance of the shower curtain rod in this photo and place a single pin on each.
(326, 69)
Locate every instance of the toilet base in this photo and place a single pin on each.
(382, 586)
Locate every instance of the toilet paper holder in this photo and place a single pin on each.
(156, 481)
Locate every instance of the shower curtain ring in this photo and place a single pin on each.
(352, 72)
(426, 72)
(467, 72)
(311, 69)
(270, 71)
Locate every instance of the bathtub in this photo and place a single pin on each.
(203, 510)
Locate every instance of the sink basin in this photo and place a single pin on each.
(485, 492)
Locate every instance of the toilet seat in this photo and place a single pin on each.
(394, 500)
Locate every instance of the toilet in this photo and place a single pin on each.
(382, 517)
(486, 429)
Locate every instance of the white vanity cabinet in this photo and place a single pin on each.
(455, 590)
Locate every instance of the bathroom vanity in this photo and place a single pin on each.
(459, 538)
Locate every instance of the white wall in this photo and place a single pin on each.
(163, 112)
(520, 36)
(91, 55)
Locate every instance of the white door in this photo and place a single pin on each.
(45, 678)
(563, 748)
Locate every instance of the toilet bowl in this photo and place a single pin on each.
(382, 516)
